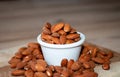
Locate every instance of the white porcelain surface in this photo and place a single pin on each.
(53, 53)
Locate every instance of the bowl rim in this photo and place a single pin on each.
(75, 44)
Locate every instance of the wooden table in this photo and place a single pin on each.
(21, 20)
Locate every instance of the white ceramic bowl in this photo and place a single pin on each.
(54, 53)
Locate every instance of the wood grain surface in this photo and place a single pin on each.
(21, 20)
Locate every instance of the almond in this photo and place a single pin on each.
(86, 65)
(22, 49)
(33, 45)
(46, 37)
(27, 58)
(39, 67)
(67, 28)
(62, 32)
(55, 34)
(98, 60)
(28, 51)
(32, 65)
(36, 52)
(46, 30)
(13, 65)
(63, 39)
(72, 36)
(106, 66)
(64, 62)
(48, 25)
(69, 64)
(42, 62)
(94, 52)
(73, 30)
(69, 41)
(40, 74)
(56, 75)
(57, 27)
(77, 39)
(18, 55)
(65, 73)
(17, 72)
(51, 67)
(14, 60)
(84, 58)
(90, 74)
(21, 65)
(29, 73)
(75, 66)
(58, 69)
(55, 40)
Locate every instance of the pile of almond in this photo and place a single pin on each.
(29, 62)
(60, 33)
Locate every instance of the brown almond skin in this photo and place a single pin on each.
(21, 65)
(57, 27)
(75, 66)
(72, 36)
(106, 66)
(67, 28)
(40, 74)
(63, 39)
(62, 32)
(98, 60)
(22, 49)
(36, 52)
(14, 60)
(92, 64)
(86, 65)
(69, 41)
(33, 45)
(55, 40)
(100, 55)
(77, 39)
(64, 62)
(46, 30)
(73, 30)
(65, 73)
(69, 64)
(48, 25)
(42, 62)
(40, 67)
(29, 73)
(18, 55)
(28, 51)
(84, 58)
(90, 74)
(102, 52)
(56, 75)
(55, 34)
(46, 37)
(51, 67)
(13, 65)
(18, 72)
(94, 52)
(32, 65)
(27, 58)
(58, 69)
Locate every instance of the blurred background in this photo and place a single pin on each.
(21, 20)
